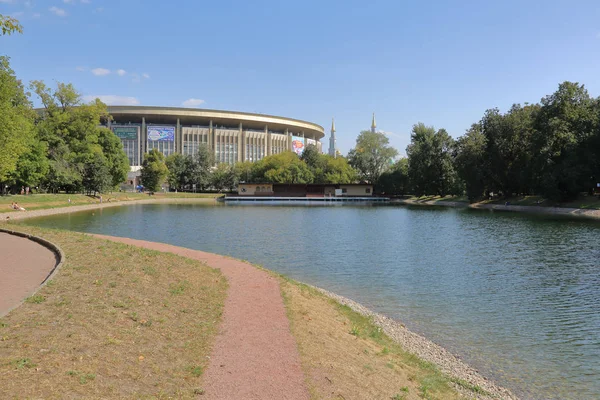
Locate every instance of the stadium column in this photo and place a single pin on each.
(143, 137)
(268, 139)
(241, 148)
(211, 139)
(178, 144)
(289, 140)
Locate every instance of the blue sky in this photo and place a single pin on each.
(438, 62)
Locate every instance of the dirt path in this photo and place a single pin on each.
(255, 355)
(24, 264)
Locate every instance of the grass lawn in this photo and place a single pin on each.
(345, 356)
(43, 201)
(115, 322)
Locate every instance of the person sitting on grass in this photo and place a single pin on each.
(17, 207)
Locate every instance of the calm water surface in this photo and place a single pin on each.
(516, 296)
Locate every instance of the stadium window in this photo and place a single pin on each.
(368, 190)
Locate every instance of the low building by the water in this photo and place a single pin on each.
(305, 190)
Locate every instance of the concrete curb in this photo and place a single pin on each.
(58, 253)
(563, 211)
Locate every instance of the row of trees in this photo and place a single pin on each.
(61, 147)
(184, 172)
(550, 149)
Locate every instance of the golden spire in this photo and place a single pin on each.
(373, 124)
(332, 124)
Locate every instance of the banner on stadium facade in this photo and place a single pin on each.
(161, 133)
(298, 145)
(126, 132)
(312, 142)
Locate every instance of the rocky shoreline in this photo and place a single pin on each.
(425, 349)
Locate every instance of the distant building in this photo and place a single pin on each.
(232, 136)
(305, 190)
(332, 149)
(373, 124)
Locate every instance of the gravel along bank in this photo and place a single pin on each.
(429, 351)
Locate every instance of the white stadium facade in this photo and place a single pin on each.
(232, 136)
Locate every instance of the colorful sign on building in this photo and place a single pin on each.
(161, 133)
(298, 145)
(126, 132)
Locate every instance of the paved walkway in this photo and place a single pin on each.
(24, 264)
(255, 355)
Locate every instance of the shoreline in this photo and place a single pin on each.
(427, 350)
(44, 212)
(566, 211)
(412, 342)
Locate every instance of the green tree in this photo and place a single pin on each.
(431, 163)
(562, 155)
(154, 171)
(372, 155)
(284, 167)
(471, 162)
(311, 156)
(74, 135)
(178, 170)
(32, 166)
(243, 171)
(96, 175)
(16, 120)
(9, 25)
(117, 162)
(223, 177)
(201, 169)
(336, 170)
(508, 148)
(395, 180)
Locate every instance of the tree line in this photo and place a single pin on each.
(59, 147)
(186, 172)
(550, 149)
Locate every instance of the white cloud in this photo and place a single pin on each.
(36, 15)
(99, 10)
(145, 76)
(86, 1)
(100, 71)
(58, 11)
(192, 102)
(81, 69)
(111, 99)
(6, 1)
(121, 72)
(67, 1)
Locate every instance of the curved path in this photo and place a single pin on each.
(24, 265)
(255, 355)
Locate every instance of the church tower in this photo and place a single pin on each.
(332, 151)
(373, 124)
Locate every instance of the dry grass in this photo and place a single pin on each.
(115, 322)
(345, 356)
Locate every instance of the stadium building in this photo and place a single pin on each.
(233, 136)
